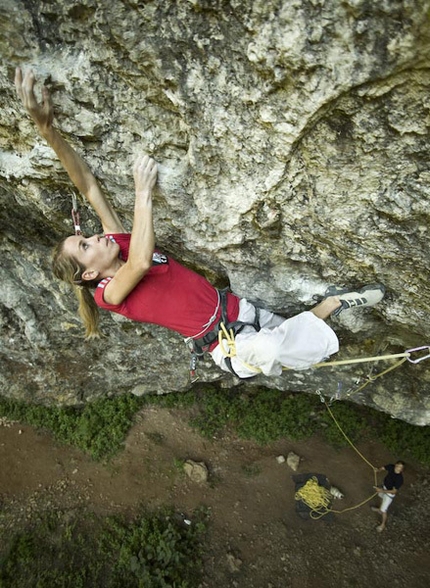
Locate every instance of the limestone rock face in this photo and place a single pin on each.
(293, 143)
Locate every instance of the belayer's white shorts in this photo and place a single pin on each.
(387, 499)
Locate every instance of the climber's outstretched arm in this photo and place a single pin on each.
(79, 172)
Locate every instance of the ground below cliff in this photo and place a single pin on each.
(255, 538)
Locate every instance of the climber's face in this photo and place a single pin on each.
(97, 254)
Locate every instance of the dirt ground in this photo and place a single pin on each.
(256, 538)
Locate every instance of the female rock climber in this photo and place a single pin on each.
(124, 273)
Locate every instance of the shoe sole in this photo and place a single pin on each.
(334, 291)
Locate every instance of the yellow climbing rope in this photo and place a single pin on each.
(316, 497)
(229, 350)
(349, 441)
(228, 337)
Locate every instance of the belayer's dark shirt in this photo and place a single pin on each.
(392, 480)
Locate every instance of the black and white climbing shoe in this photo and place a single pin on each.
(366, 296)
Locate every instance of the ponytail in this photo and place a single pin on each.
(88, 311)
(69, 270)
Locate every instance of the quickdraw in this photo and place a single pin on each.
(75, 215)
(415, 349)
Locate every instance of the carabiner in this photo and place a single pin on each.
(74, 202)
(75, 215)
(319, 392)
(419, 349)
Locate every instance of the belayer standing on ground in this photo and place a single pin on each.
(130, 277)
(393, 481)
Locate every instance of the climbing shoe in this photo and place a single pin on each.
(366, 296)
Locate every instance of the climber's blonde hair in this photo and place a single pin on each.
(68, 269)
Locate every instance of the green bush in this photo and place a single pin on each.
(404, 439)
(155, 551)
(271, 415)
(350, 418)
(98, 429)
(262, 415)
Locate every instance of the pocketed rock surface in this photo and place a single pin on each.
(292, 138)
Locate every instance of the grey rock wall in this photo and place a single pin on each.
(293, 144)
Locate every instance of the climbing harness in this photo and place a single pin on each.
(199, 345)
(75, 215)
(226, 332)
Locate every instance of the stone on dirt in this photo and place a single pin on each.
(196, 471)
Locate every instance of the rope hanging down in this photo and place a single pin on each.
(318, 499)
(312, 494)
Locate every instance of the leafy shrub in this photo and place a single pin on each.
(99, 428)
(351, 420)
(404, 439)
(155, 551)
(264, 415)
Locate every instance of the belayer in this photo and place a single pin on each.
(126, 274)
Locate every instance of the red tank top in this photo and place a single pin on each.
(170, 295)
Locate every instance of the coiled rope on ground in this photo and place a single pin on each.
(319, 499)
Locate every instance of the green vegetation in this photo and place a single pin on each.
(406, 440)
(158, 550)
(260, 414)
(264, 415)
(80, 550)
(98, 429)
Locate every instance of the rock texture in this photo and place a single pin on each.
(293, 142)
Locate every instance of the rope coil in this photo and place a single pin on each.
(316, 497)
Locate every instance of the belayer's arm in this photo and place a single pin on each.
(142, 240)
(78, 170)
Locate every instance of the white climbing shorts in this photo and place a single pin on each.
(297, 343)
